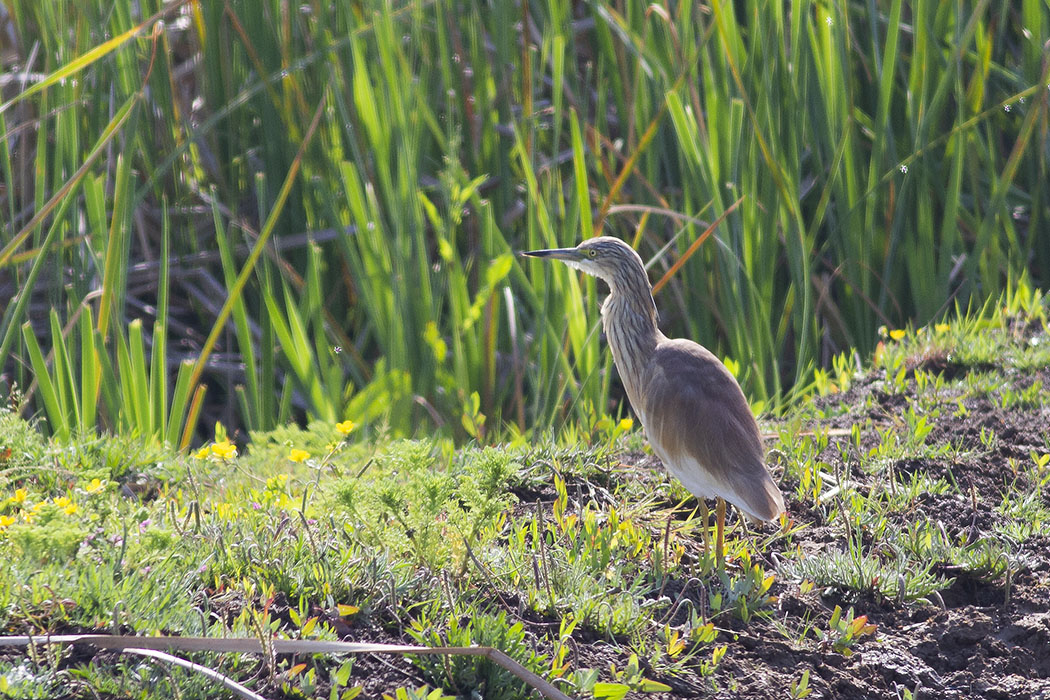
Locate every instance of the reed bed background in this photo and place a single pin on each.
(258, 212)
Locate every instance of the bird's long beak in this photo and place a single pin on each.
(570, 254)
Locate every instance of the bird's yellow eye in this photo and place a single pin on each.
(592, 253)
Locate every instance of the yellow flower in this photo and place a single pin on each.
(71, 508)
(897, 334)
(19, 497)
(95, 486)
(941, 327)
(298, 455)
(224, 449)
(6, 521)
(345, 427)
(63, 501)
(28, 515)
(202, 453)
(626, 424)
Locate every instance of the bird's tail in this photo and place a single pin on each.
(766, 502)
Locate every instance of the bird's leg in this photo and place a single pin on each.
(705, 516)
(720, 527)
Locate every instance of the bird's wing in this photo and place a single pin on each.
(698, 418)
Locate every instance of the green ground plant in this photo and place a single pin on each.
(468, 674)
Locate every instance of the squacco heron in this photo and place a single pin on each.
(692, 409)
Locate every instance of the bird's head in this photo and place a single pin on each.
(604, 257)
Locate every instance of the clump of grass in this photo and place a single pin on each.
(467, 674)
(900, 579)
(46, 534)
(414, 498)
(21, 444)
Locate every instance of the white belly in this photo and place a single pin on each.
(686, 469)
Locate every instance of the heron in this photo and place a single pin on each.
(691, 407)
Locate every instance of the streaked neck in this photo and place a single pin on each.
(629, 319)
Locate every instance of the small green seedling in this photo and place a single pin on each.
(844, 632)
(800, 686)
(628, 679)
